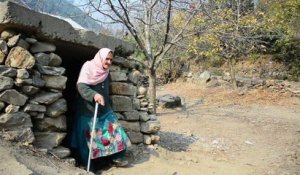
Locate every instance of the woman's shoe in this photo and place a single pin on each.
(120, 162)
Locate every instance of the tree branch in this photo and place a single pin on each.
(167, 28)
(177, 37)
(130, 27)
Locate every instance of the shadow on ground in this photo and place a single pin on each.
(175, 142)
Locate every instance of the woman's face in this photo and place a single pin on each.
(107, 61)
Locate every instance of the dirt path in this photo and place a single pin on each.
(220, 133)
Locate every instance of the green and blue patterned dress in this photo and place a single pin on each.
(109, 137)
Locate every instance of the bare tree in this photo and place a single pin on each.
(145, 20)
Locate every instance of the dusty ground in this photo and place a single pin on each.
(217, 132)
(220, 132)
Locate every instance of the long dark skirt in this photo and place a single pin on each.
(109, 137)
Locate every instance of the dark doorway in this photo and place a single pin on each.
(73, 57)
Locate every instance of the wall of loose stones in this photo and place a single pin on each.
(32, 106)
(130, 102)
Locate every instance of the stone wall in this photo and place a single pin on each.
(130, 103)
(207, 80)
(33, 108)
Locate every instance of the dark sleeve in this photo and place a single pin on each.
(86, 92)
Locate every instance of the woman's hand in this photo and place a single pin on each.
(99, 99)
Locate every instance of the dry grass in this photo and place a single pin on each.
(225, 96)
(184, 89)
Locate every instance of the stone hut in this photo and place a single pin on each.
(40, 59)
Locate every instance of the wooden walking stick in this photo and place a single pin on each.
(91, 139)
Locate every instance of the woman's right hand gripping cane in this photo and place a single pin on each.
(99, 99)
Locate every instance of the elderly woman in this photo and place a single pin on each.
(109, 139)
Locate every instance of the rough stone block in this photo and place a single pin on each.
(150, 127)
(132, 115)
(121, 103)
(13, 97)
(135, 137)
(118, 88)
(12, 121)
(131, 126)
(48, 140)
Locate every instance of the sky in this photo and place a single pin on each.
(77, 2)
(113, 27)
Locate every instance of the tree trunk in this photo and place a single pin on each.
(152, 88)
(232, 73)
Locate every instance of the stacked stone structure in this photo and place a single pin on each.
(38, 72)
(32, 105)
(131, 104)
(31, 101)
